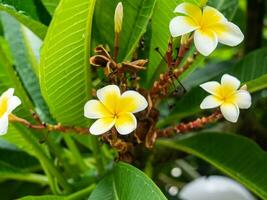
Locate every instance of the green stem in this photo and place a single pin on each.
(29, 177)
(82, 193)
(58, 152)
(73, 148)
(97, 155)
(40, 154)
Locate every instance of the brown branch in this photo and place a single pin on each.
(48, 127)
(161, 87)
(186, 127)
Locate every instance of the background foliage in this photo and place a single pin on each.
(45, 47)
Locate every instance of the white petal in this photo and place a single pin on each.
(210, 102)
(230, 112)
(3, 124)
(102, 125)
(181, 25)
(9, 93)
(126, 123)
(231, 81)
(131, 101)
(13, 103)
(205, 41)
(211, 86)
(229, 34)
(191, 10)
(109, 96)
(94, 109)
(243, 99)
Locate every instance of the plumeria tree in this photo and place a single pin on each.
(131, 100)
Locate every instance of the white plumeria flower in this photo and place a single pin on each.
(114, 108)
(209, 26)
(227, 96)
(214, 188)
(8, 103)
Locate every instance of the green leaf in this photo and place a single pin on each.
(126, 183)
(135, 20)
(257, 84)
(10, 172)
(11, 155)
(16, 9)
(46, 197)
(23, 63)
(51, 5)
(8, 79)
(238, 157)
(227, 7)
(252, 70)
(163, 13)
(64, 69)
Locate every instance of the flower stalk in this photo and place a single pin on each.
(190, 126)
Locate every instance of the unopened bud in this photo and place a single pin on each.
(118, 17)
(244, 87)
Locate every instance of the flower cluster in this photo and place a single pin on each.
(114, 111)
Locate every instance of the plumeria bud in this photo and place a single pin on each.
(8, 103)
(118, 17)
(209, 27)
(227, 96)
(114, 109)
(244, 87)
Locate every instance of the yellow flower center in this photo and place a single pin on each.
(226, 93)
(3, 106)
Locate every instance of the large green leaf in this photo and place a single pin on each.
(64, 70)
(236, 156)
(26, 14)
(126, 183)
(136, 17)
(24, 63)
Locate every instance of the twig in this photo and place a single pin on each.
(49, 127)
(186, 127)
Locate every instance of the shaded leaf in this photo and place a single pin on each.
(14, 8)
(51, 5)
(239, 160)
